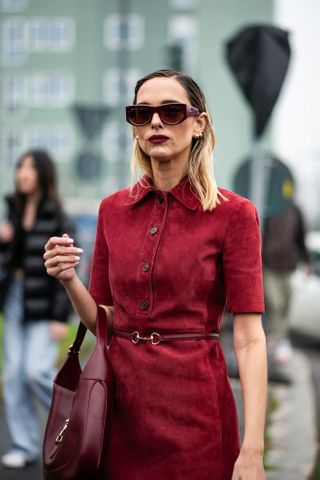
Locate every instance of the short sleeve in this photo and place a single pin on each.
(242, 263)
(99, 286)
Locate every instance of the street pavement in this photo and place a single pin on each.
(292, 423)
(32, 472)
(292, 426)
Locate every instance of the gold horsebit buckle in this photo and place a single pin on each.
(154, 338)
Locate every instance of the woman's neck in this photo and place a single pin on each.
(33, 199)
(166, 176)
(30, 210)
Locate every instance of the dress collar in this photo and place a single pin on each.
(184, 192)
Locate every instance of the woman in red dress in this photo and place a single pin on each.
(171, 253)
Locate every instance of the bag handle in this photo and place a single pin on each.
(101, 331)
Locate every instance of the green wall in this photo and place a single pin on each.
(90, 59)
(219, 21)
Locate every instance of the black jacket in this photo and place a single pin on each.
(283, 244)
(44, 297)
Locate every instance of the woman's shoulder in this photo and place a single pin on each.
(116, 199)
(9, 200)
(237, 211)
(232, 201)
(8, 197)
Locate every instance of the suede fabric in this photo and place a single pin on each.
(169, 267)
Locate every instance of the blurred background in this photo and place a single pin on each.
(68, 68)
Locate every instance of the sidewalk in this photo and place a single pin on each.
(293, 425)
(32, 472)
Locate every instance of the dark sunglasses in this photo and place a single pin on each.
(170, 113)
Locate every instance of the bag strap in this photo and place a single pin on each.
(102, 326)
(101, 331)
(81, 332)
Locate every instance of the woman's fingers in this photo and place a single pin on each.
(62, 251)
(61, 268)
(6, 232)
(61, 257)
(62, 271)
(54, 241)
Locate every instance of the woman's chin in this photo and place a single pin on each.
(160, 151)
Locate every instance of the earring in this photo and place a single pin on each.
(197, 135)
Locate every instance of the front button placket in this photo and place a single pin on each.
(146, 267)
(144, 305)
(148, 257)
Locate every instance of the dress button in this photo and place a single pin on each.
(144, 305)
(146, 267)
(153, 230)
(160, 198)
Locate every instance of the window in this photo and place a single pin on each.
(53, 90)
(12, 146)
(183, 33)
(20, 36)
(41, 89)
(14, 41)
(13, 93)
(53, 35)
(57, 139)
(124, 31)
(117, 91)
(13, 5)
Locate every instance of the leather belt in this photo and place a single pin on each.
(155, 338)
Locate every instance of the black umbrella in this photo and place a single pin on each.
(259, 56)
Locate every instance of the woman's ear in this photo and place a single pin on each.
(201, 123)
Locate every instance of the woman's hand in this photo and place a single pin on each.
(58, 330)
(249, 466)
(6, 232)
(61, 258)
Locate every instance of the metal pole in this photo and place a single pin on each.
(259, 180)
(123, 62)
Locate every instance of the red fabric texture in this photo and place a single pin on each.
(167, 266)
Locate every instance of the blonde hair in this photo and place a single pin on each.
(199, 169)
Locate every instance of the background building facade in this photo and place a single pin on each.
(69, 68)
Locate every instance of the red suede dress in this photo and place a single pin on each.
(169, 267)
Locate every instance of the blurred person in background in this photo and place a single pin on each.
(35, 306)
(170, 252)
(283, 249)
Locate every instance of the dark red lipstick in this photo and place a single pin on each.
(157, 139)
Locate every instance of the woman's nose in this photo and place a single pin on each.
(156, 120)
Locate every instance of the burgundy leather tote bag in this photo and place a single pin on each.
(80, 413)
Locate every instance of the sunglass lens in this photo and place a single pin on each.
(172, 113)
(139, 115)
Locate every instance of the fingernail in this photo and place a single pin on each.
(77, 258)
(69, 240)
(79, 250)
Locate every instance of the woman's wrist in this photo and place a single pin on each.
(69, 282)
(252, 450)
